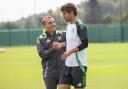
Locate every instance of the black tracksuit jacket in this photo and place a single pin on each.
(51, 60)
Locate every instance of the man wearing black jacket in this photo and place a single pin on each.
(50, 46)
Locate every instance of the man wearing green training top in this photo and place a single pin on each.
(75, 55)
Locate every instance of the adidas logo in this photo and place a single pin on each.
(79, 85)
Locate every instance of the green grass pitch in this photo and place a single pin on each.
(20, 67)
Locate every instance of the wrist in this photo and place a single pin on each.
(63, 44)
(74, 50)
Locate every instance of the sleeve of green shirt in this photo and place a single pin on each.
(82, 33)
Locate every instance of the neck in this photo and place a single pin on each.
(73, 20)
(51, 33)
(48, 32)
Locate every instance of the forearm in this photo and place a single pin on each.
(68, 53)
(74, 50)
(47, 53)
(43, 53)
(83, 45)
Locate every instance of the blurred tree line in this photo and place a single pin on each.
(91, 12)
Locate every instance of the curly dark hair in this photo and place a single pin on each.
(68, 7)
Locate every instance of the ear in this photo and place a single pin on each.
(44, 26)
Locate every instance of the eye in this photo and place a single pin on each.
(49, 22)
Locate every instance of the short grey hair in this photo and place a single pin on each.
(43, 20)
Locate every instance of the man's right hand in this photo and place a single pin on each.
(56, 45)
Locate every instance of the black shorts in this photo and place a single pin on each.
(74, 76)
